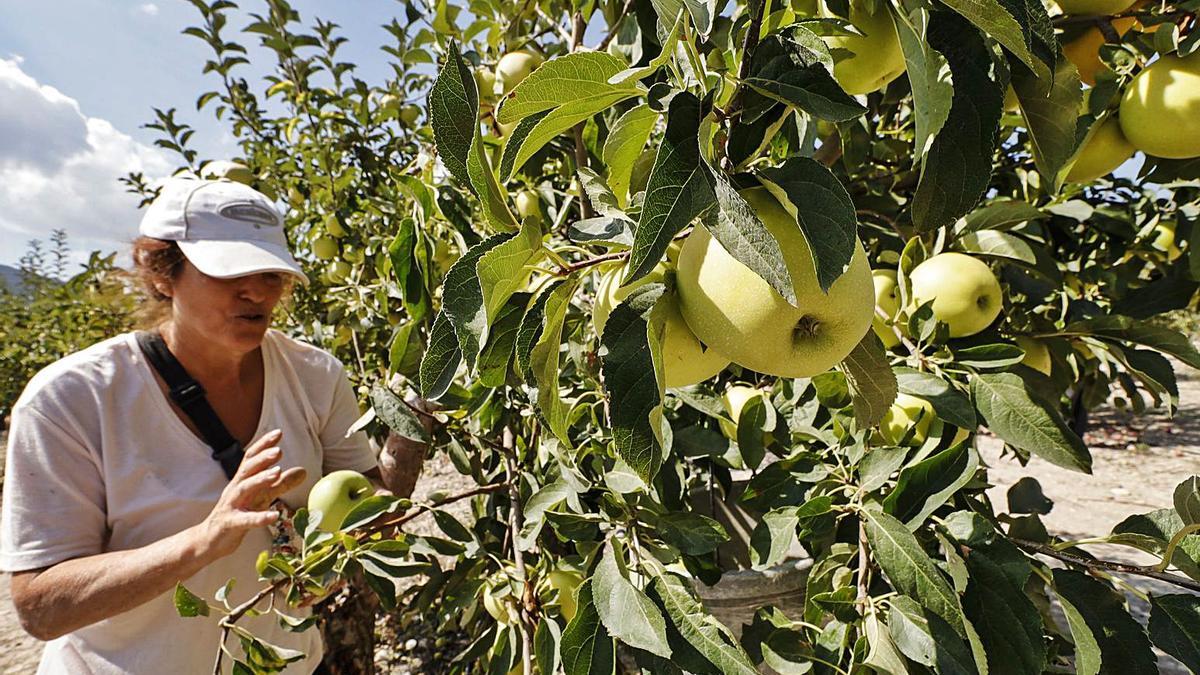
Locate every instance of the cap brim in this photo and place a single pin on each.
(228, 259)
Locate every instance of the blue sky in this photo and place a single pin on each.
(78, 78)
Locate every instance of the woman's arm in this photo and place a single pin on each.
(57, 600)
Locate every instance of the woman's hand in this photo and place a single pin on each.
(243, 505)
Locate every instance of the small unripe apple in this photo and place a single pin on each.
(734, 399)
(886, 300)
(1095, 7)
(908, 411)
(1164, 239)
(1103, 151)
(325, 248)
(965, 294)
(528, 205)
(1037, 355)
(333, 227)
(565, 582)
(335, 495)
(223, 169)
(409, 114)
(485, 82)
(1084, 49)
(497, 607)
(515, 67)
(339, 271)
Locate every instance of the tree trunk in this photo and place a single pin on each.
(348, 630)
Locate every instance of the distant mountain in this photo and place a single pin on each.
(10, 278)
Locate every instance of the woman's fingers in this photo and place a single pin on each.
(259, 490)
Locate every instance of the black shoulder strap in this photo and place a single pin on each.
(189, 395)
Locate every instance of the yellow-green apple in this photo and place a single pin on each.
(528, 205)
(1037, 355)
(685, 360)
(1084, 49)
(325, 248)
(500, 609)
(908, 411)
(868, 62)
(485, 82)
(1160, 109)
(336, 494)
(333, 226)
(339, 270)
(1104, 149)
(514, 67)
(886, 299)
(409, 114)
(565, 582)
(965, 293)
(224, 169)
(1095, 7)
(731, 309)
(734, 399)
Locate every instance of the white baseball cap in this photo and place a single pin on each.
(225, 228)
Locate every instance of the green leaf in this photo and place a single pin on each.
(883, 655)
(532, 326)
(1000, 213)
(795, 70)
(735, 225)
(773, 537)
(571, 77)
(1051, 109)
(624, 145)
(871, 380)
(1152, 532)
(627, 613)
(397, 415)
(1187, 500)
(927, 639)
(998, 355)
(454, 114)
(691, 533)
(680, 187)
(1026, 422)
(878, 466)
(925, 486)
(546, 640)
(1126, 329)
(929, 75)
(635, 396)
(950, 404)
(1008, 622)
(992, 18)
(188, 604)
(586, 646)
(544, 358)
(698, 628)
(497, 353)
(997, 244)
(958, 166)
(519, 148)
(441, 359)
(504, 269)
(462, 298)
(1124, 647)
(1175, 627)
(535, 510)
(823, 209)
(1026, 496)
(909, 568)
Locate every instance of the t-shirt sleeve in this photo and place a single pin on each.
(54, 503)
(340, 451)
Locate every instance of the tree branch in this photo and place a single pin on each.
(612, 32)
(1095, 564)
(749, 44)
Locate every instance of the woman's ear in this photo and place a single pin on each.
(164, 289)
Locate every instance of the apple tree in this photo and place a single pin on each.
(634, 266)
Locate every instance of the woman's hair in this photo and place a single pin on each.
(155, 262)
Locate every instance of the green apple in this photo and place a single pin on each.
(528, 205)
(1037, 355)
(685, 360)
(1160, 109)
(1084, 48)
(335, 495)
(886, 299)
(1104, 149)
(223, 169)
(868, 62)
(339, 271)
(500, 609)
(333, 227)
(732, 310)
(734, 399)
(906, 412)
(514, 67)
(1164, 239)
(565, 582)
(965, 293)
(409, 114)
(325, 248)
(485, 81)
(1094, 7)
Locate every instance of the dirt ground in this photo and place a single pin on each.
(1138, 462)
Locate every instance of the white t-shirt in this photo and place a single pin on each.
(98, 462)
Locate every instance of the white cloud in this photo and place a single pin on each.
(59, 169)
(149, 9)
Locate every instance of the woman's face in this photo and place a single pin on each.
(234, 313)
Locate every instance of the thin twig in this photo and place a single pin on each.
(864, 562)
(612, 33)
(578, 28)
(1091, 563)
(514, 526)
(749, 44)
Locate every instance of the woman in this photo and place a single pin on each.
(111, 497)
